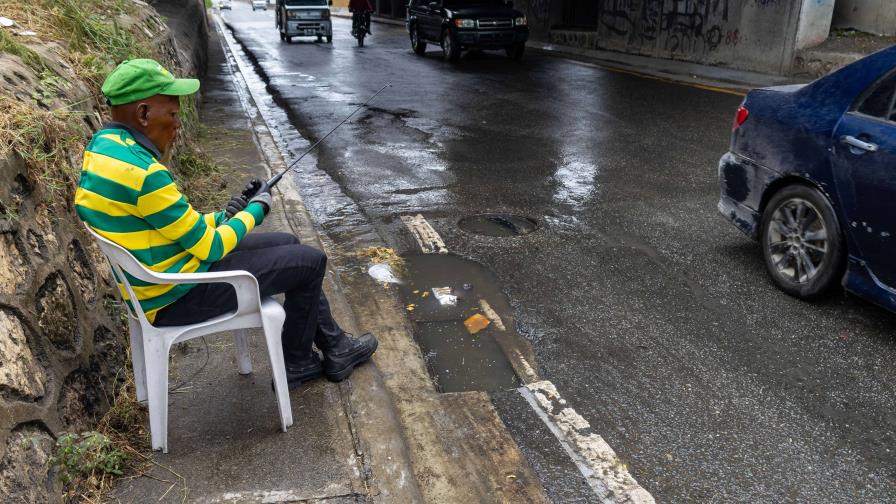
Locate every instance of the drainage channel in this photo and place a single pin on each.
(441, 293)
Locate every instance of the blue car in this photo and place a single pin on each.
(811, 174)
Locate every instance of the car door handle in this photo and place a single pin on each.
(858, 144)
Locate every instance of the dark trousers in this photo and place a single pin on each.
(281, 265)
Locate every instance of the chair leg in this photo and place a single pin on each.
(278, 369)
(138, 359)
(157, 392)
(242, 351)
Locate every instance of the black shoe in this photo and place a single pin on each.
(340, 361)
(303, 371)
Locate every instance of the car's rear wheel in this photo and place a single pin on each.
(329, 39)
(802, 243)
(450, 48)
(417, 44)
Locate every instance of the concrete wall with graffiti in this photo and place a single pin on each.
(757, 35)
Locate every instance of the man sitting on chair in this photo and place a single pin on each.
(126, 195)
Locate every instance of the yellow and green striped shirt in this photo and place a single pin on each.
(130, 198)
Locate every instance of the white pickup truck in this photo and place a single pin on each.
(304, 18)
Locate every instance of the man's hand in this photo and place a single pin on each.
(265, 200)
(236, 204)
(252, 188)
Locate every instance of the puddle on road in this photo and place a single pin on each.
(498, 225)
(457, 360)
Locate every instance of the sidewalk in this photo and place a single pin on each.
(384, 435)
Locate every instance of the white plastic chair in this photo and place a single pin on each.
(150, 344)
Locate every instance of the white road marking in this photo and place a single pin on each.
(607, 476)
(492, 315)
(430, 242)
(529, 373)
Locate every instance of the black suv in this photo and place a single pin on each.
(467, 24)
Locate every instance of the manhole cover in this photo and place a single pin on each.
(498, 224)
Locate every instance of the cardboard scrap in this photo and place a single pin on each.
(476, 323)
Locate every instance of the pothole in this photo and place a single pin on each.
(458, 358)
(497, 224)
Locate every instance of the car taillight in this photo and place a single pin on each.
(740, 117)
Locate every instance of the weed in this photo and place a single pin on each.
(89, 456)
(384, 255)
(27, 55)
(89, 462)
(47, 142)
(96, 30)
(9, 217)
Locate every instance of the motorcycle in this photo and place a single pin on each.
(360, 26)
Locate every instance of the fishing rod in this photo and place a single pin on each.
(266, 187)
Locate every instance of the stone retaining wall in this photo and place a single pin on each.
(63, 344)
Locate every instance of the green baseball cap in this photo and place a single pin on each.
(139, 79)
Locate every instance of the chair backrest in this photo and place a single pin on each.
(122, 261)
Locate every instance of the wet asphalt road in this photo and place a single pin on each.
(650, 313)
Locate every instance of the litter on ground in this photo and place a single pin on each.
(444, 295)
(383, 273)
(476, 323)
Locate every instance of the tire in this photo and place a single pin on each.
(417, 44)
(516, 51)
(320, 38)
(361, 38)
(450, 49)
(288, 39)
(802, 243)
(329, 39)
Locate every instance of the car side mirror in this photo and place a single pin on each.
(330, 2)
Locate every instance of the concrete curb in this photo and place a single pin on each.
(680, 72)
(366, 402)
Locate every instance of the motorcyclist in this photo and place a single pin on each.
(360, 8)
